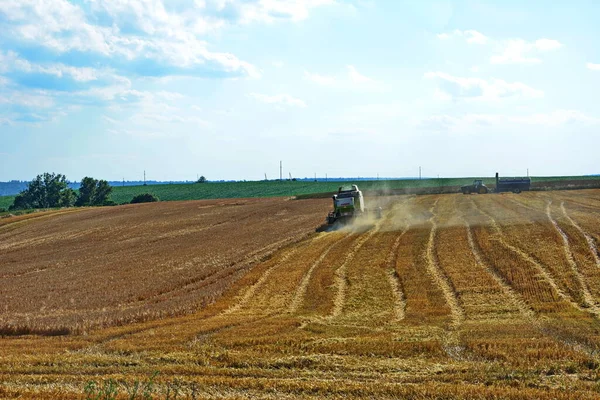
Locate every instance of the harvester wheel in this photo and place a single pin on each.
(517, 191)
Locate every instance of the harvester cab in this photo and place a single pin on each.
(348, 203)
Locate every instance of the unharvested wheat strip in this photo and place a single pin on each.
(302, 287)
(529, 259)
(587, 296)
(340, 274)
(588, 238)
(438, 275)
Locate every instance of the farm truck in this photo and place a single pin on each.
(515, 185)
(349, 203)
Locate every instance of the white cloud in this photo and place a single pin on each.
(35, 99)
(10, 61)
(139, 133)
(471, 36)
(375, 112)
(274, 10)
(281, 99)
(558, 117)
(469, 121)
(109, 119)
(475, 37)
(593, 67)
(356, 77)
(513, 51)
(165, 37)
(481, 89)
(519, 51)
(278, 64)
(320, 79)
(547, 44)
(350, 78)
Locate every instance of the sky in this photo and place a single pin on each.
(347, 88)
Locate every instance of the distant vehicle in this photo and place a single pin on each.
(348, 203)
(515, 185)
(477, 187)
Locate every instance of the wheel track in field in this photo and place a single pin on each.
(251, 291)
(521, 304)
(514, 297)
(587, 296)
(394, 279)
(590, 240)
(255, 256)
(340, 275)
(300, 292)
(206, 280)
(542, 270)
(451, 343)
(438, 275)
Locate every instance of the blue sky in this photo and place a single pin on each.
(227, 88)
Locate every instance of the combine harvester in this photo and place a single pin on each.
(349, 204)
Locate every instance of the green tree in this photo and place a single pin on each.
(102, 195)
(93, 192)
(87, 190)
(144, 198)
(45, 191)
(202, 179)
(67, 198)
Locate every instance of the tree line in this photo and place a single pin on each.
(50, 190)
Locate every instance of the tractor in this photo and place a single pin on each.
(477, 187)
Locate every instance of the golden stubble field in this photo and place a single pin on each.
(449, 296)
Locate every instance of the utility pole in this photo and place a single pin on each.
(419, 172)
(144, 177)
(315, 176)
(280, 170)
(266, 177)
(528, 172)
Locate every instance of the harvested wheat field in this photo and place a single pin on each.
(446, 296)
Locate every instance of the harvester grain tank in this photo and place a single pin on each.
(348, 203)
(515, 185)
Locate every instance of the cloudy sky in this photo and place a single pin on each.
(227, 88)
